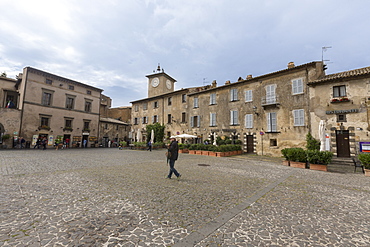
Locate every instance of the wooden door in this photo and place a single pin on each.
(342, 143)
(250, 144)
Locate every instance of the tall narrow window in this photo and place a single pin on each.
(249, 121)
(298, 116)
(169, 118)
(234, 94)
(233, 117)
(47, 98)
(271, 122)
(248, 96)
(70, 102)
(196, 102)
(183, 98)
(297, 86)
(183, 117)
(195, 121)
(136, 121)
(212, 99)
(86, 126)
(270, 94)
(339, 91)
(68, 124)
(212, 119)
(87, 106)
(169, 100)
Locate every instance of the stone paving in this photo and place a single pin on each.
(111, 197)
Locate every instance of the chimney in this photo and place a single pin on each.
(249, 77)
(214, 84)
(227, 82)
(291, 65)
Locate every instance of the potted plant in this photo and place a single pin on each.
(298, 157)
(212, 150)
(365, 161)
(192, 148)
(221, 150)
(285, 153)
(319, 160)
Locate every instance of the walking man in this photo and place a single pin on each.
(173, 153)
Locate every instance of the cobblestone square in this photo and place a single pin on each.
(111, 197)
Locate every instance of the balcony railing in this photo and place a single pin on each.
(265, 101)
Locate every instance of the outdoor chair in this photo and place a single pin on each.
(357, 163)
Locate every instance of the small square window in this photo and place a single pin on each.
(88, 92)
(341, 118)
(273, 142)
(49, 81)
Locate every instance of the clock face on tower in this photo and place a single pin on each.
(155, 82)
(168, 84)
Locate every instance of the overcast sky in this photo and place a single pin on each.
(114, 44)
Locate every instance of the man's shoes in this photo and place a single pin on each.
(168, 177)
(179, 176)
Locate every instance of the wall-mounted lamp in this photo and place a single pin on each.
(255, 110)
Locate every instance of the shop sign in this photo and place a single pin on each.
(365, 147)
(342, 111)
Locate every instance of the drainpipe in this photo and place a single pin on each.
(308, 103)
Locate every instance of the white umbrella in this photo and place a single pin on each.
(152, 136)
(322, 135)
(186, 136)
(138, 135)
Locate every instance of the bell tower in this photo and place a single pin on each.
(159, 82)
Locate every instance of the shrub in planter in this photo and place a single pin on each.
(158, 145)
(325, 157)
(365, 160)
(193, 147)
(123, 143)
(298, 155)
(285, 152)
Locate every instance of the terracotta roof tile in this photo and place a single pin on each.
(344, 74)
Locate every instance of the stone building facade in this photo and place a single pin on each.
(341, 101)
(267, 113)
(9, 110)
(55, 107)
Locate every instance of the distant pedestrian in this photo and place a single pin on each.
(44, 142)
(37, 144)
(173, 154)
(23, 141)
(149, 146)
(85, 143)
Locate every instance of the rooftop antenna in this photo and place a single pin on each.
(204, 81)
(323, 49)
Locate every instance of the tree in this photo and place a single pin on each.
(3, 74)
(158, 131)
(312, 143)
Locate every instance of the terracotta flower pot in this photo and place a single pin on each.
(191, 151)
(367, 172)
(220, 154)
(319, 167)
(286, 162)
(298, 164)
